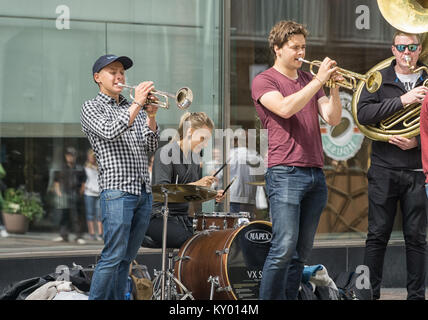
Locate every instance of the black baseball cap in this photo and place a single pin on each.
(110, 58)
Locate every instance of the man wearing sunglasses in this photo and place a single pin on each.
(395, 175)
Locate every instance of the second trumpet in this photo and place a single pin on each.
(373, 80)
(183, 97)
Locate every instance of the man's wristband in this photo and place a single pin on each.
(138, 104)
(315, 77)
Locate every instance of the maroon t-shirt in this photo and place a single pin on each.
(424, 136)
(295, 141)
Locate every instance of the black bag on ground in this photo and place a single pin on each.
(326, 293)
(346, 282)
(22, 289)
(80, 279)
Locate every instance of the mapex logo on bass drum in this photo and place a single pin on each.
(258, 236)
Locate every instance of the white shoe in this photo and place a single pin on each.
(3, 233)
(80, 241)
(58, 239)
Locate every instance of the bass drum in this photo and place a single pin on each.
(234, 256)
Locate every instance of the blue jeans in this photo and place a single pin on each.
(125, 220)
(93, 209)
(297, 196)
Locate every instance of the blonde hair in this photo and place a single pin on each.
(197, 120)
(402, 33)
(88, 164)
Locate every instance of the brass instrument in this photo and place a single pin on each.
(409, 116)
(183, 97)
(372, 80)
(410, 16)
(406, 15)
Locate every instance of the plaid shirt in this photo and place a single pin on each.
(121, 151)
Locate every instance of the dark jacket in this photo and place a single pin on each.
(377, 106)
(174, 169)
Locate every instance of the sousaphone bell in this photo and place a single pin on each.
(410, 16)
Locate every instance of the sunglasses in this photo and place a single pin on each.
(402, 47)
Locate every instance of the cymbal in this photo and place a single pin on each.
(257, 183)
(178, 193)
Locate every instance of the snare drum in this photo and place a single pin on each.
(220, 220)
(226, 263)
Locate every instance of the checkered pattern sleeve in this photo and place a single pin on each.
(150, 138)
(96, 120)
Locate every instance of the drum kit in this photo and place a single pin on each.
(224, 258)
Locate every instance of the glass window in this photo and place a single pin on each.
(47, 50)
(357, 37)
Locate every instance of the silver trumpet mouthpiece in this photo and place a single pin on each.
(124, 85)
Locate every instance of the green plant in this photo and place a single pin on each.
(19, 201)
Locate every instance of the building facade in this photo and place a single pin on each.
(47, 48)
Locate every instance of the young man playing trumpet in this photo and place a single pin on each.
(288, 102)
(121, 133)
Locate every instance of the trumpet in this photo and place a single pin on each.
(373, 80)
(183, 97)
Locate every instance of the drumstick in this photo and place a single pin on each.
(228, 186)
(221, 168)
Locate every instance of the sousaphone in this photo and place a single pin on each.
(410, 16)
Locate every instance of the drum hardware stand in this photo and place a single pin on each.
(171, 291)
(215, 282)
(167, 273)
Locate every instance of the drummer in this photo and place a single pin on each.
(179, 162)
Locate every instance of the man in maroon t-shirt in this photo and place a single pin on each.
(288, 102)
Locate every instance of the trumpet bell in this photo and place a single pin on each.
(374, 80)
(184, 98)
